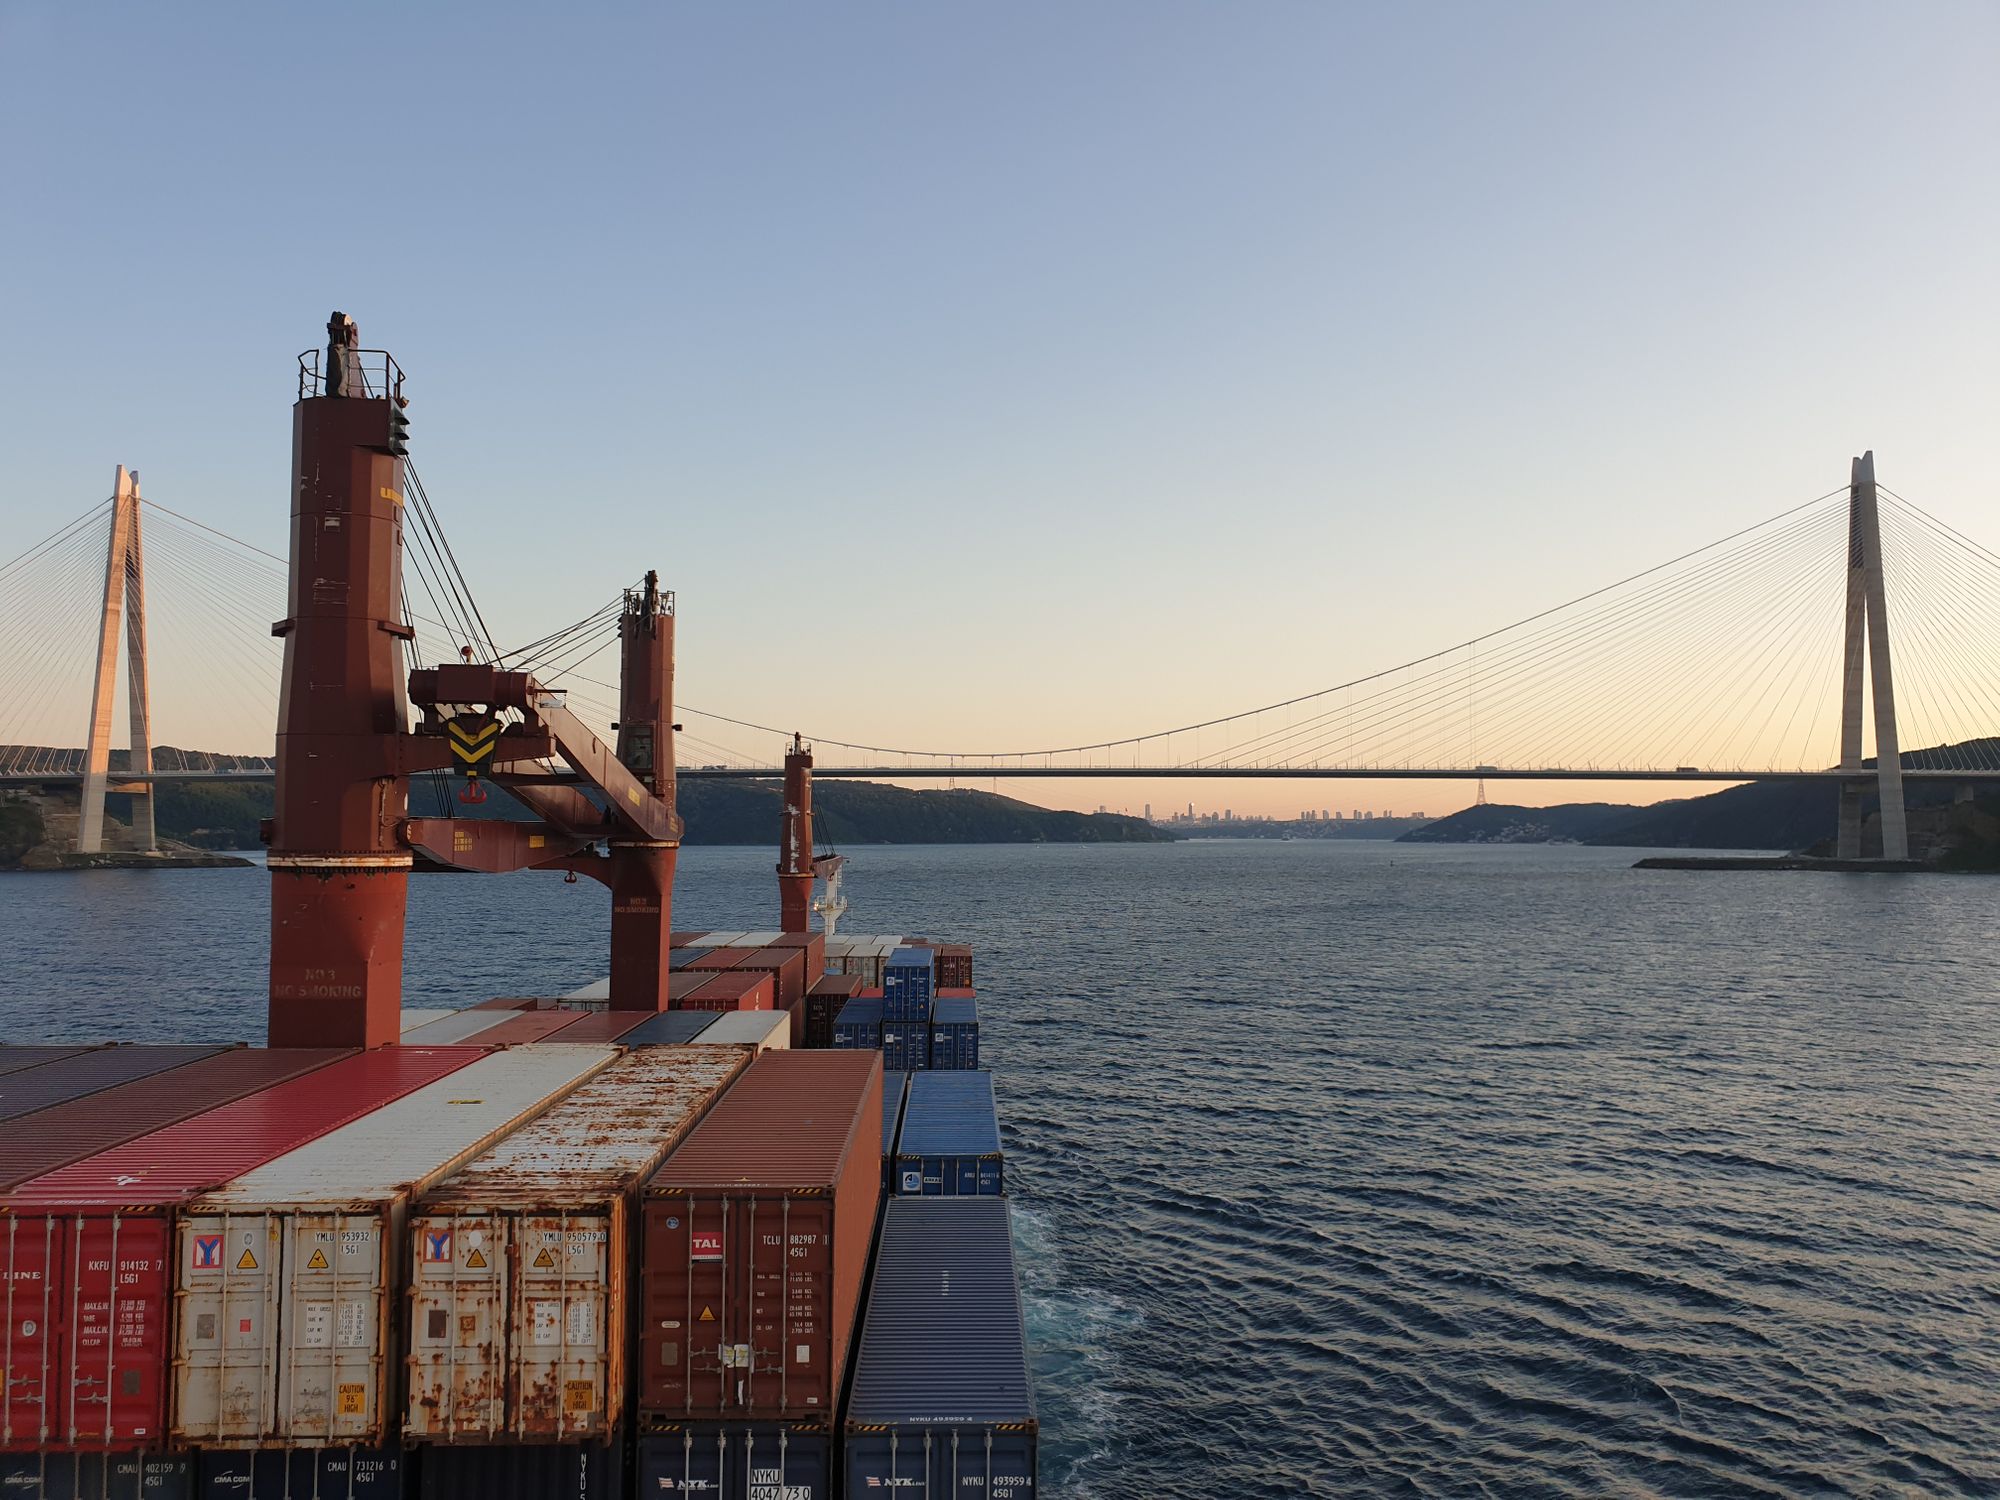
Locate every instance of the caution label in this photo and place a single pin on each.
(476, 1260)
(353, 1401)
(707, 1315)
(545, 1261)
(579, 1395)
(247, 1261)
(472, 740)
(317, 1262)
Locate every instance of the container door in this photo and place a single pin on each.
(33, 1255)
(689, 1360)
(991, 1177)
(983, 1462)
(562, 1282)
(788, 1300)
(334, 1347)
(117, 1339)
(458, 1326)
(226, 1361)
(888, 1458)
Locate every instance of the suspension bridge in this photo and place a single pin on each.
(1765, 655)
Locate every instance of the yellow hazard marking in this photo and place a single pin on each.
(534, 841)
(476, 1260)
(632, 795)
(544, 1261)
(318, 1261)
(354, 1401)
(246, 1261)
(391, 496)
(579, 1395)
(707, 1315)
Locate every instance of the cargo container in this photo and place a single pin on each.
(813, 944)
(954, 966)
(597, 992)
(755, 939)
(604, 1025)
(65, 1133)
(717, 961)
(86, 1073)
(786, 966)
(669, 1028)
(906, 1045)
(53, 1475)
(950, 1142)
(765, 1030)
(526, 1026)
(460, 1026)
(955, 1032)
(756, 1239)
(942, 1404)
(894, 1087)
(21, 1055)
(689, 939)
(415, 1016)
(824, 1000)
(524, 1471)
(512, 1002)
(286, 1277)
(684, 984)
(859, 1025)
(63, 1233)
(300, 1474)
(521, 1262)
(680, 958)
(742, 991)
(908, 983)
(724, 939)
(797, 1011)
(738, 1461)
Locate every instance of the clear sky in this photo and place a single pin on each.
(1016, 375)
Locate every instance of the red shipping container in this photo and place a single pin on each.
(718, 960)
(91, 1072)
(814, 944)
(33, 1054)
(732, 992)
(529, 1026)
(823, 1002)
(756, 1237)
(55, 1137)
(954, 967)
(87, 1249)
(683, 984)
(603, 1025)
(788, 965)
(686, 939)
(956, 993)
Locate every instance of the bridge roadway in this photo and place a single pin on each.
(990, 772)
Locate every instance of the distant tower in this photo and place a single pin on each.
(124, 574)
(1868, 611)
(1480, 800)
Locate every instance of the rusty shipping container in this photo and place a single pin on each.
(286, 1278)
(88, 1249)
(66, 1133)
(522, 1262)
(743, 991)
(756, 1236)
(57, 1082)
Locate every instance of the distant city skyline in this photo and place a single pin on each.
(1011, 378)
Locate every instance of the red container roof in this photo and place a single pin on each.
(718, 959)
(789, 1122)
(33, 1054)
(53, 1138)
(196, 1155)
(528, 1026)
(91, 1072)
(603, 1025)
(733, 985)
(847, 986)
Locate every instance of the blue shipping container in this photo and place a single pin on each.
(942, 1406)
(281, 1473)
(680, 958)
(669, 1028)
(95, 1476)
(950, 1141)
(906, 1046)
(737, 1461)
(527, 1471)
(908, 982)
(859, 1024)
(893, 1087)
(955, 1032)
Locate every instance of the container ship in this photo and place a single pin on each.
(731, 1222)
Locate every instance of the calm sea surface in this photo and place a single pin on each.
(1368, 1169)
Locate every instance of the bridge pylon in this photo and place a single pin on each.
(1868, 634)
(124, 597)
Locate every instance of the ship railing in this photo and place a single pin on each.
(378, 373)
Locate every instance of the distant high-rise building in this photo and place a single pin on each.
(1228, 814)
(1149, 812)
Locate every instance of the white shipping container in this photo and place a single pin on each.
(414, 1017)
(722, 940)
(522, 1265)
(597, 989)
(459, 1026)
(762, 1029)
(285, 1278)
(755, 939)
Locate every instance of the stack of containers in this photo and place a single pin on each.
(824, 1000)
(525, 1026)
(757, 1233)
(906, 1045)
(907, 992)
(288, 1276)
(715, 961)
(895, 1086)
(942, 1404)
(604, 1026)
(787, 970)
(763, 1030)
(859, 1025)
(680, 958)
(955, 1033)
(523, 1269)
(950, 1141)
(954, 966)
(813, 944)
(91, 1247)
(747, 990)
(460, 1026)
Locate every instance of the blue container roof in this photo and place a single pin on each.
(669, 1027)
(943, 1342)
(892, 1107)
(868, 1012)
(951, 1009)
(950, 1114)
(910, 958)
